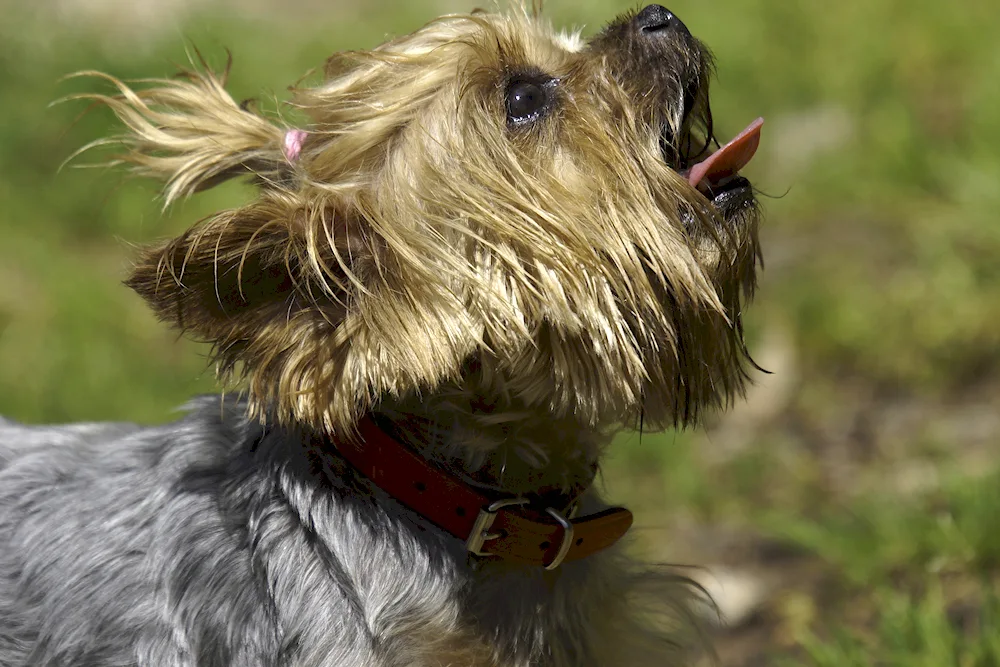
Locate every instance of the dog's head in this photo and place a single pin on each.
(484, 198)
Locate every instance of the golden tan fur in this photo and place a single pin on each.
(415, 236)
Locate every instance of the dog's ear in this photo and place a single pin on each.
(309, 306)
(313, 293)
(270, 286)
(234, 274)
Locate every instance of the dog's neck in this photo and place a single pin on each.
(496, 443)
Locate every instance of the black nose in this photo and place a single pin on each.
(655, 19)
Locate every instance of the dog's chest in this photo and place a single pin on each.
(380, 593)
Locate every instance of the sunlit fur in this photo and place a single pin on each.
(499, 296)
(418, 234)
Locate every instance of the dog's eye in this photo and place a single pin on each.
(526, 101)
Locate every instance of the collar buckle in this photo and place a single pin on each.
(480, 535)
(565, 543)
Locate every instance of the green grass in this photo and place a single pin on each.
(912, 633)
(882, 289)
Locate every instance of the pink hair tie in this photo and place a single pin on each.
(293, 144)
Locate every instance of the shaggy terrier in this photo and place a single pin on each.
(488, 247)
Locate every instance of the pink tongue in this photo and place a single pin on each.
(729, 159)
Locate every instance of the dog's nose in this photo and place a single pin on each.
(657, 19)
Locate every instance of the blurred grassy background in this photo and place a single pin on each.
(849, 510)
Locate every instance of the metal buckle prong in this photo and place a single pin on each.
(567, 538)
(480, 529)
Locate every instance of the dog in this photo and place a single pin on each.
(488, 248)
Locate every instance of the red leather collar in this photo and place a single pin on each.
(507, 528)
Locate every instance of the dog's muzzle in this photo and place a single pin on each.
(666, 68)
(716, 174)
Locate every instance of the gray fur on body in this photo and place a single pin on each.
(212, 541)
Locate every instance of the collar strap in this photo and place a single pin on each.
(507, 528)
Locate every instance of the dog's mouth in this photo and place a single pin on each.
(716, 174)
